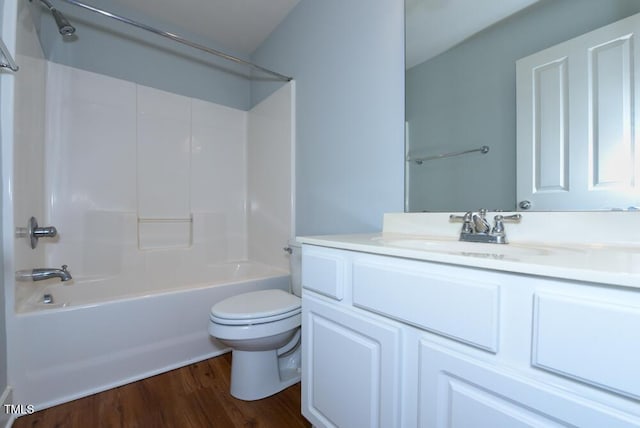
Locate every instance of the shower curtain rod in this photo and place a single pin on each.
(178, 39)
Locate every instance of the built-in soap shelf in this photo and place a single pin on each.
(160, 233)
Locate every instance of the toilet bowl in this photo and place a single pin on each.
(262, 328)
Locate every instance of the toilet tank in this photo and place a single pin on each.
(295, 265)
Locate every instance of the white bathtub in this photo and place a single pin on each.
(91, 339)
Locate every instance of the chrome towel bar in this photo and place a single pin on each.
(419, 161)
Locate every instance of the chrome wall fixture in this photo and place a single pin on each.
(64, 27)
(174, 37)
(33, 232)
(40, 274)
(8, 59)
(484, 150)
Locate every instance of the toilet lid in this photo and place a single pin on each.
(256, 306)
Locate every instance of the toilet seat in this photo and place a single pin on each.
(256, 307)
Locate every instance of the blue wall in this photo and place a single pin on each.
(466, 98)
(109, 47)
(348, 61)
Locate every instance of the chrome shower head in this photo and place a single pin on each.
(64, 27)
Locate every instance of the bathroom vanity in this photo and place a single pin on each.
(411, 327)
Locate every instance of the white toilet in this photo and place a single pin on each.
(263, 330)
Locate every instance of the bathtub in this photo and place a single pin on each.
(101, 333)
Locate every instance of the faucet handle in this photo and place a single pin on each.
(34, 232)
(514, 218)
(466, 219)
(499, 220)
(460, 218)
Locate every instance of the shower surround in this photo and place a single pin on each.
(164, 205)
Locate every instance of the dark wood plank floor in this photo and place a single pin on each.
(196, 396)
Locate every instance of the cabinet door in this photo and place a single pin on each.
(456, 390)
(578, 109)
(350, 367)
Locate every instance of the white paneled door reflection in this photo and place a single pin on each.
(578, 105)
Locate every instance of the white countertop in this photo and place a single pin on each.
(614, 263)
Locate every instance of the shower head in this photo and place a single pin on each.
(64, 27)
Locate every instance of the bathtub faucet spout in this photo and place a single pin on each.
(39, 274)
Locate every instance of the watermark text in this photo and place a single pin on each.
(19, 409)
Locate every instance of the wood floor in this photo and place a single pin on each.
(196, 396)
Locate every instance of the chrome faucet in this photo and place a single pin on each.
(480, 223)
(476, 228)
(40, 274)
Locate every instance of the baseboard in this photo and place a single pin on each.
(6, 419)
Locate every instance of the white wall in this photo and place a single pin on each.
(270, 156)
(347, 58)
(141, 180)
(125, 171)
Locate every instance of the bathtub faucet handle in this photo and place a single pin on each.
(35, 232)
(287, 250)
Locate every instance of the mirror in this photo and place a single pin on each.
(461, 92)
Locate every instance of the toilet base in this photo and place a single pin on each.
(259, 374)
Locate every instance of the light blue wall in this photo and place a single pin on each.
(466, 98)
(109, 47)
(348, 61)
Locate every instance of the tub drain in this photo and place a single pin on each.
(47, 299)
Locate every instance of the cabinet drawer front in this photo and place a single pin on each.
(448, 303)
(458, 391)
(323, 271)
(596, 342)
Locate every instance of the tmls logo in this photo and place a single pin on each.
(19, 409)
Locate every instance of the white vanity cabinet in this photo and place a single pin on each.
(395, 342)
(351, 360)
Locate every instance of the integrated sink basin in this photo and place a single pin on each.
(597, 247)
(475, 249)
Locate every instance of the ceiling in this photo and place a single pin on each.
(240, 26)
